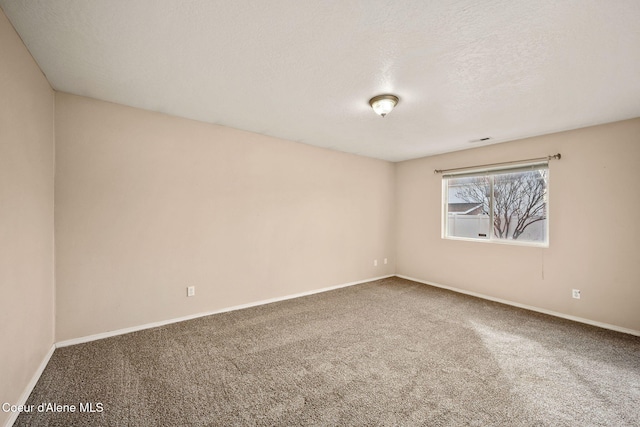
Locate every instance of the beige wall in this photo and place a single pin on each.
(594, 227)
(26, 216)
(147, 204)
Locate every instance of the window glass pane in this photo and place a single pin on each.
(468, 207)
(500, 205)
(520, 205)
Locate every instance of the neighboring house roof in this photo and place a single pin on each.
(465, 208)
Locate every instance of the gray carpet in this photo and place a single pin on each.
(390, 352)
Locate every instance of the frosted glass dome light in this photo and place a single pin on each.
(383, 104)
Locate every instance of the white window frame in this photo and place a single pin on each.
(492, 172)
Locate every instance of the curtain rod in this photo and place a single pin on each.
(539, 159)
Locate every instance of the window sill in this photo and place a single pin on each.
(500, 242)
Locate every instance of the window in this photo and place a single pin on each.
(504, 205)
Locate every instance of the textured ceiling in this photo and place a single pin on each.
(304, 70)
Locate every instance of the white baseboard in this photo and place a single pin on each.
(29, 388)
(108, 334)
(526, 307)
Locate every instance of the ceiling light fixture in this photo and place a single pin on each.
(383, 104)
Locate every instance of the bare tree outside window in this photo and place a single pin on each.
(518, 199)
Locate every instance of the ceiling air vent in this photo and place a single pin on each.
(486, 138)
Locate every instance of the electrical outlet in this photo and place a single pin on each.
(385, 260)
(575, 293)
(375, 262)
(191, 291)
